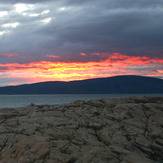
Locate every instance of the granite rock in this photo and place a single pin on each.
(124, 130)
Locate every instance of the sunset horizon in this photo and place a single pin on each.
(81, 81)
(69, 40)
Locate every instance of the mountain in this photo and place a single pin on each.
(127, 84)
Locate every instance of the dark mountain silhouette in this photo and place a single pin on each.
(127, 84)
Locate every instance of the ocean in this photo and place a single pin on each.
(12, 101)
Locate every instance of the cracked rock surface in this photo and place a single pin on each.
(125, 130)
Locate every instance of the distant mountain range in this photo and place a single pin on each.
(127, 84)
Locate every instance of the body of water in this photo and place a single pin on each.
(12, 101)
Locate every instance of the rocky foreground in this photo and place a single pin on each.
(125, 130)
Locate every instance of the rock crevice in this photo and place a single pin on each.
(125, 130)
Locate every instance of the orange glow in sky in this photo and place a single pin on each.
(115, 64)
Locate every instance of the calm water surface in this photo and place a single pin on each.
(11, 101)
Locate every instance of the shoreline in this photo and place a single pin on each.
(17, 101)
(115, 130)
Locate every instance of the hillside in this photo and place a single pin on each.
(127, 84)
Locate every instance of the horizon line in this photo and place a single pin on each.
(80, 80)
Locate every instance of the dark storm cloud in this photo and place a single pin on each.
(100, 29)
(22, 1)
(76, 26)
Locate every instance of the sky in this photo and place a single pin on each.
(64, 40)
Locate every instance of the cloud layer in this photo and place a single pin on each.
(115, 64)
(70, 31)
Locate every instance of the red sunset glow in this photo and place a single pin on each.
(76, 40)
(115, 64)
(9, 54)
